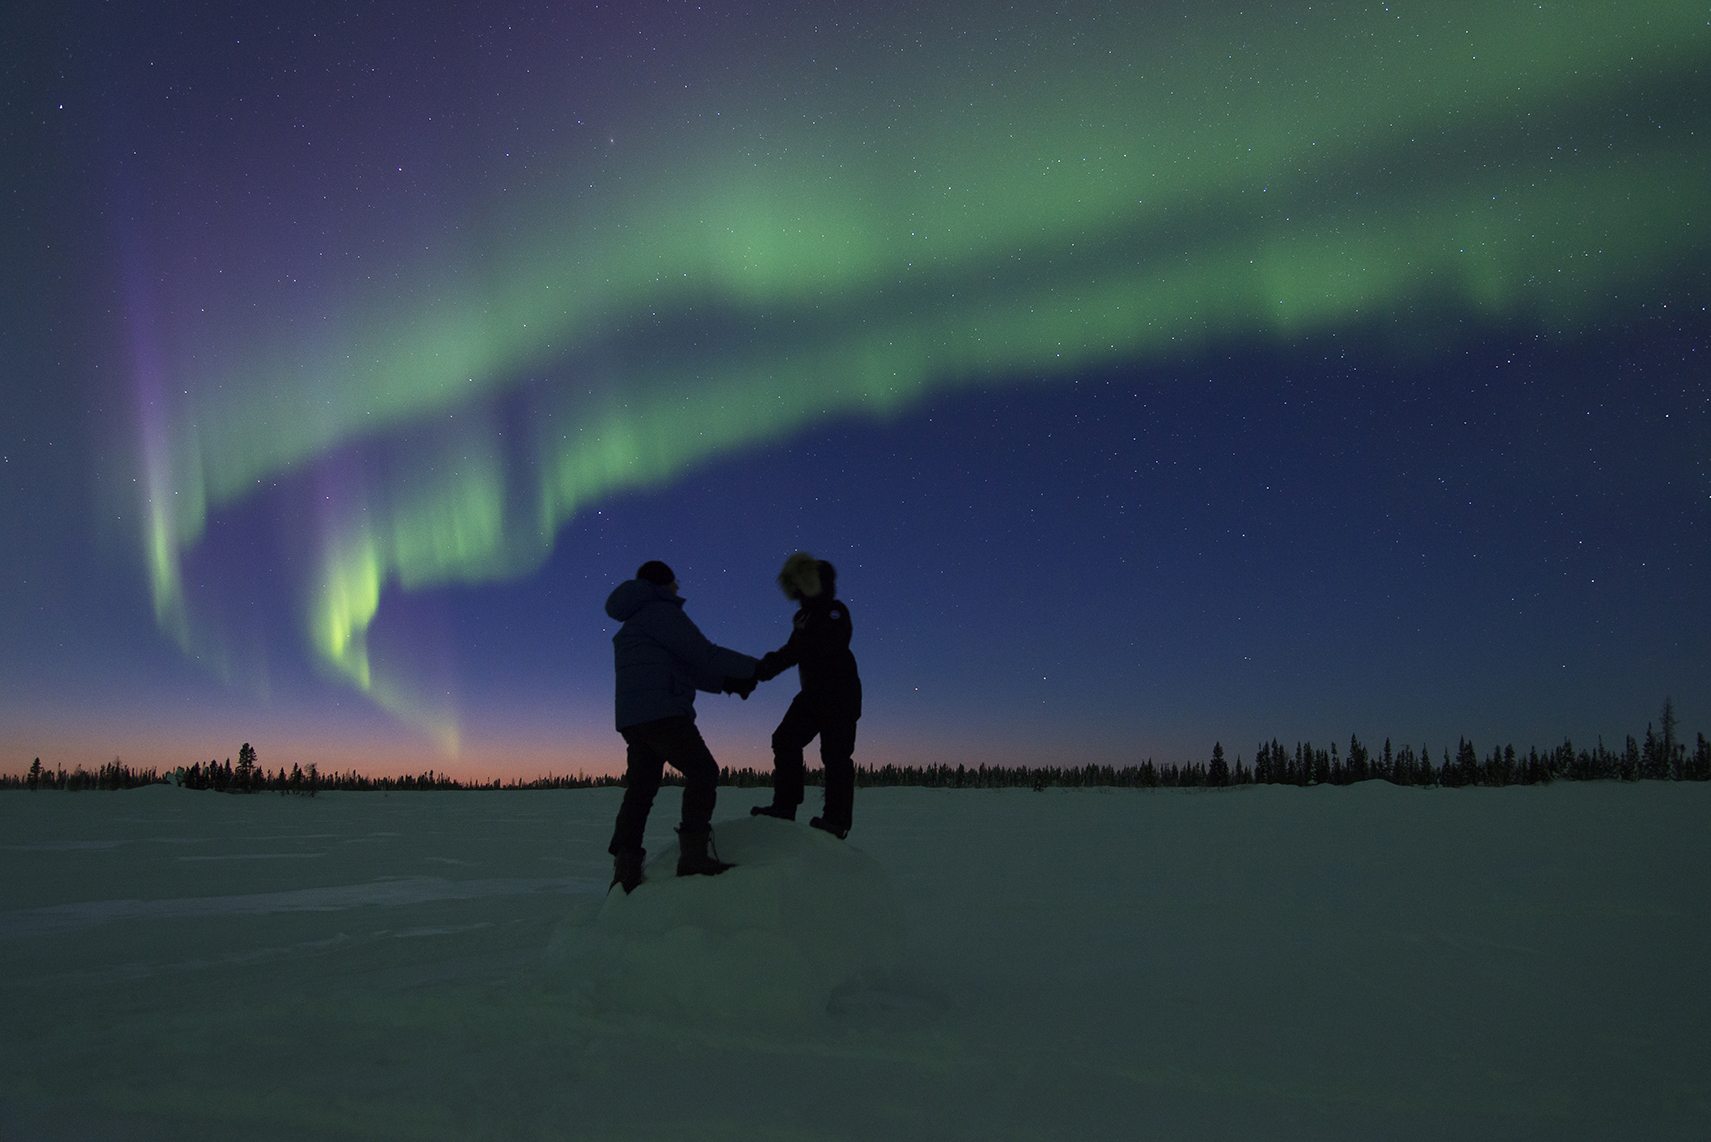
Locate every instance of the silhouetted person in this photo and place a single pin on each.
(661, 660)
(830, 700)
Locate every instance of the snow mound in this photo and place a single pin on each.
(772, 939)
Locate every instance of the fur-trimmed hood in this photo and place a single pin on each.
(803, 577)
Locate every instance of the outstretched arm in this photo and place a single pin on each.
(775, 662)
(816, 633)
(708, 663)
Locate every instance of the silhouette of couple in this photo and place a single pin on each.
(662, 659)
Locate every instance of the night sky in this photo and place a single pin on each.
(1155, 374)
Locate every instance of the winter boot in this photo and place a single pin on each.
(627, 869)
(782, 812)
(825, 826)
(693, 856)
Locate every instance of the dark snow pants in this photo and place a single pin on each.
(836, 729)
(651, 745)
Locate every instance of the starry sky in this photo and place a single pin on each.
(1155, 374)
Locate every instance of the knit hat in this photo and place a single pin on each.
(657, 573)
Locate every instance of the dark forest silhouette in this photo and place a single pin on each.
(1657, 756)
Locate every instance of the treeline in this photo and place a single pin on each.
(114, 775)
(1306, 764)
(354, 782)
(252, 778)
(1655, 757)
(225, 777)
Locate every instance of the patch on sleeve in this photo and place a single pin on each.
(836, 614)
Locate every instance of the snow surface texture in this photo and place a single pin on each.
(1354, 963)
(804, 918)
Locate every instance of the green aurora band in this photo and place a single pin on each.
(1033, 213)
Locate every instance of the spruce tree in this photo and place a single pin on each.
(1219, 772)
(1671, 763)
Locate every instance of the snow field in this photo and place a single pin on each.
(802, 916)
(1263, 963)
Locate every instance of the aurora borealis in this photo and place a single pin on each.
(1155, 373)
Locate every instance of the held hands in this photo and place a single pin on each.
(741, 687)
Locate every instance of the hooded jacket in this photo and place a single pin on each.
(661, 657)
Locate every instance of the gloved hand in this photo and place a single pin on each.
(741, 687)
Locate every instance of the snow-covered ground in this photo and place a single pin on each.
(1363, 962)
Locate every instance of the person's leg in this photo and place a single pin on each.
(793, 734)
(687, 751)
(644, 767)
(837, 754)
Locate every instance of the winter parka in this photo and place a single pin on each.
(819, 647)
(661, 657)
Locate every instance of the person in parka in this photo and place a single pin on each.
(661, 660)
(829, 703)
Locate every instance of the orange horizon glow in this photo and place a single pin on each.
(591, 753)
